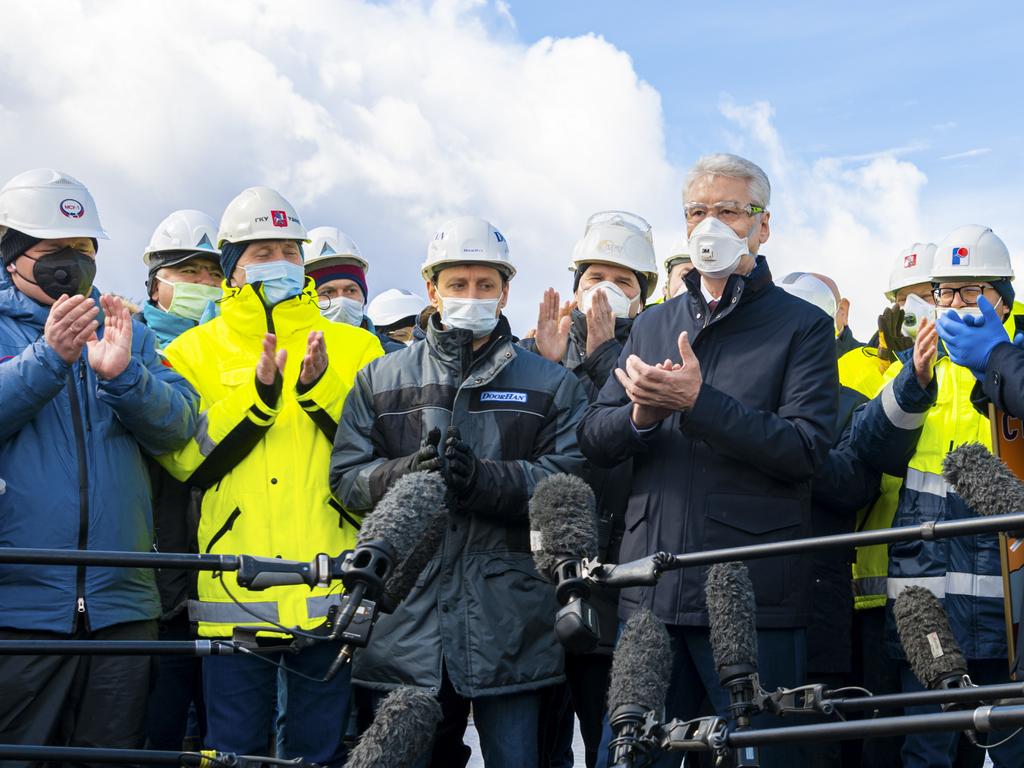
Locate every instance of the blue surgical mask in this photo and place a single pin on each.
(281, 279)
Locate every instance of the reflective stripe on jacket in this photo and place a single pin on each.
(919, 427)
(265, 465)
(860, 369)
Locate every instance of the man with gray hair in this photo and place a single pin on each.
(725, 400)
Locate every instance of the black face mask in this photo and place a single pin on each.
(64, 271)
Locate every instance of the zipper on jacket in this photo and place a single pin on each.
(83, 495)
(228, 525)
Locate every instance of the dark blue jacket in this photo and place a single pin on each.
(75, 476)
(1004, 379)
(736, 468)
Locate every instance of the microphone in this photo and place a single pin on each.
(637, 685)
(563, 531)
(926, 637)
(732, 614)
(403, 577)
(402, 730)
(985, 483)
(932, 651)
(389, 533)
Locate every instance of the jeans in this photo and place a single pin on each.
(506, 724)
(782, 661)
(937, 750)
(584, 696)
(241, 695)
(177, 689)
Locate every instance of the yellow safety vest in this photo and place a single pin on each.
(276, 500)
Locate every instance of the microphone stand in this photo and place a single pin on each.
(204, 759)
(646, 571)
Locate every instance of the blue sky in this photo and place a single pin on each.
(879, 124)
(845, 79)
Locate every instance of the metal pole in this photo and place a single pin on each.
(15, 555)
(118, 647)
(927, 531)
(92, 755)
(982, 719)
(925, 698)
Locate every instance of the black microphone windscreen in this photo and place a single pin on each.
(403, 577)
(563, 515)
(732, 614)
(409, 508)
(985, 483)
(923, 627)
(401, 732)
(641, 665)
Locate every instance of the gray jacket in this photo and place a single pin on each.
(479, 607)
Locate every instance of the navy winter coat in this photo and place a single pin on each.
(736, 468)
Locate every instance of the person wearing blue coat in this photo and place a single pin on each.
(84, 396)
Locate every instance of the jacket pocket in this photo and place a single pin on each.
(224, 529)
(636, 510)
(736, 520)
(236, 377)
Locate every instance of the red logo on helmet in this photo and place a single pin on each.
(910, 260)
(72, 208)
(279, 218)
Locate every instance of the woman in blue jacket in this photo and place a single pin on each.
(84, 395)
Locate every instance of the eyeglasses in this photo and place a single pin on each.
(968, 294)
(727, 211)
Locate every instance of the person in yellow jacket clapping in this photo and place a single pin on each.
(272, 374)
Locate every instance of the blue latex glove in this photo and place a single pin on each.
(970, 340)
(1019, 340)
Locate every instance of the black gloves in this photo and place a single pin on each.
(463, 466)
(427, 458)
(892, 339)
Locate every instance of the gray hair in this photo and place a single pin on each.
(732, 167)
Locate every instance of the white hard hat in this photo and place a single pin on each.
(811, 289)
(913, 266)
(48, 204)
(971, 251)
(329, 245)
(259, 213)
(394, 305)
(467, 240)
(181, 236)
(619, 238)
(679, 253)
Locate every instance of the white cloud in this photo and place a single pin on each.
(385, 119)
(969, 153)
(846, 217)
(380, 119)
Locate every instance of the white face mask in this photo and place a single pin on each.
(342, 310)
(621, 304)
(477, 315)
(915, 310)
(715, 249)
(964, 311)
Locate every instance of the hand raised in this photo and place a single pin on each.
(315, 362)
(271, 362)
(553, 327)
(109, 356)
(600, 321)
(926, 347)
(71, 323)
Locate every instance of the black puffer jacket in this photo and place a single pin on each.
(479, 606)
(736, 468)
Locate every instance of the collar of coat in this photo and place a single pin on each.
(741, 287)
(455, 345)
(245, 312)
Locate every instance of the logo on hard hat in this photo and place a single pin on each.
(910, 260)
(279, 218)
(608, 246)
(961, 256)
(72, 208)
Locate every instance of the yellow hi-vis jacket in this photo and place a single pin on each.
(264, 465)
(859, 369)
